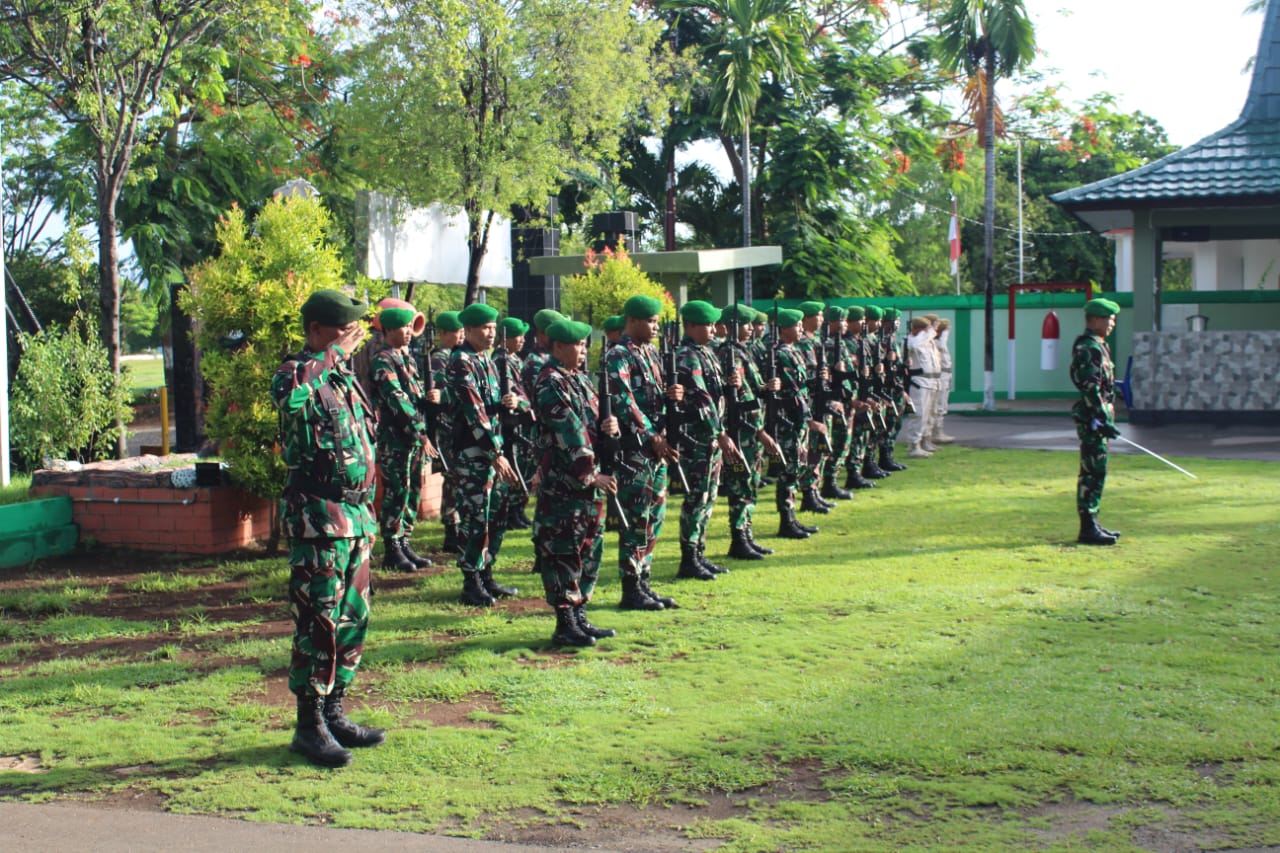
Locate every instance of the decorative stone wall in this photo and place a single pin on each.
(1206, 372)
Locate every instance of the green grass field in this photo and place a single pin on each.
(941, 668)
(145, 373)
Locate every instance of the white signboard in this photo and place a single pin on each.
(409, 244)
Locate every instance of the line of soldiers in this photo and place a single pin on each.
(826, 391)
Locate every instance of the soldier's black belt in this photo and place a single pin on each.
(330, 491)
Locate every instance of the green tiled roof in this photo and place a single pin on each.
(1241, 161)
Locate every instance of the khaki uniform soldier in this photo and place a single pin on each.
(793, 401)
(485, 476)
(326, 430)
(568, 523)
(450, 328)
(705, 439)
(924, 372)
(1093, 373)
(942, 345)
(639, 403)
(403, 445)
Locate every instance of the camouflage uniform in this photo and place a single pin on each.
(480, 497)
(699, 372)
(326, 427)
(740, 482)
(817, 452)
(524, 431)
(443, 438)
(844, 385)
(402, 431)
(1093, 373)
(793, 400)
(639, 404)
(895, 381)
(568, 521)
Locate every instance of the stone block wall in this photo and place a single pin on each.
(1206, 373)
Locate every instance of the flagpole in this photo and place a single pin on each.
(953, 242)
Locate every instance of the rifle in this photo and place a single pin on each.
(610, 446)
(431, 411)
(675, 410)
(822, 389)
(510, 420)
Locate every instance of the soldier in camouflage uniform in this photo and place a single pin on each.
(793, 399)
(819, 448)
(873, 352)
(485, 476)
(1093, 373)
(866, 409)
(326, 432)
(568, 523)
(511, 332)
(538, 355)
(895, 381)
(639, 403)
(843, 387)
(704, 438)
(450, 328)
(739, 477)
(403, 445)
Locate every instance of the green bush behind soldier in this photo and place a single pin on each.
(327, 434)
(403, 444)
(512, 331)
(1093, 374)
(639, 404)
(568, 520)
(740, 476)
(793, 438)
(450, 329)
(484, 477)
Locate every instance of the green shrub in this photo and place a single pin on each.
(610, 279)
(66, 401)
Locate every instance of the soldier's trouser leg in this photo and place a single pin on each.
(840, 446)
(740, 482)
(1093, 469)
(794, 444)
(417, 471)
(474, 497)
(568, 537)
(702, 468)
(449, 498)
(393, 466)
(643, 496)
(895, 422)
(329, 602)
(499, 512)
(816, 456)
(858, 445)
(918, 424)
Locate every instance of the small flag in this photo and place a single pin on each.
(953, 235)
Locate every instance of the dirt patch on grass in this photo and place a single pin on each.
(455, 714)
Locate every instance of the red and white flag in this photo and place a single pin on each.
(953, 235)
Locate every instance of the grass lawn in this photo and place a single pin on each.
(940, 668)
(145, 372)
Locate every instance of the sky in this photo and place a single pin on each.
(1180, 61)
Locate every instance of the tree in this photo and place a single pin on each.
(986, 39)
(486, 104)
(113, 70)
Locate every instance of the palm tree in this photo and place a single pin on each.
(751, 41)
(987, 39)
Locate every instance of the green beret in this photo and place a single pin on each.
(333, 308)
(699, 313)
(513, 327)
(811, 308)
(390, 319)
(761, 317)
(835, 312)
(642, 307)
(855, 312)
(568, 331)
(874, 312)
(745, 313)
(892, 314)
(788, 317)
(545, 318)
(614, 323)
(1101, 308)
(478, 314)
(447, 321)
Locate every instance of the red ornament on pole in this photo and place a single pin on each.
(1049, 334)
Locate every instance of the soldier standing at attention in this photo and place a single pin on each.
(568, 521)
(793, 400)
(326, 428)
(705, 437)
(403, 445)
(923, 373)
(1093, 373)
(895, 380)
(450, 328)
(536, 358)
(612, 327)
(484, 474)
(865, 410)
(808, 342)
(639, 403)
(513, 330)
(943, 345)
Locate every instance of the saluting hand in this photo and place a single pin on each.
(351, 338)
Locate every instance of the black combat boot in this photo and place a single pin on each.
(414, 557)
(812, 503)
(887, 462)
(751, 540)
(701, 553)
(395, 557)
(788, 528)
(585, 626)
(831, 491)
(634, 596)
(1107, 530)
(494, 588)
(666, 601)
(854, 480)
(740, 548)
(473, 591)
(516, 518)
(1091, 533)
(343, 730)
(690, 568)
(872, 471)
(312, 737)
(452, 544)
(567, 631)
